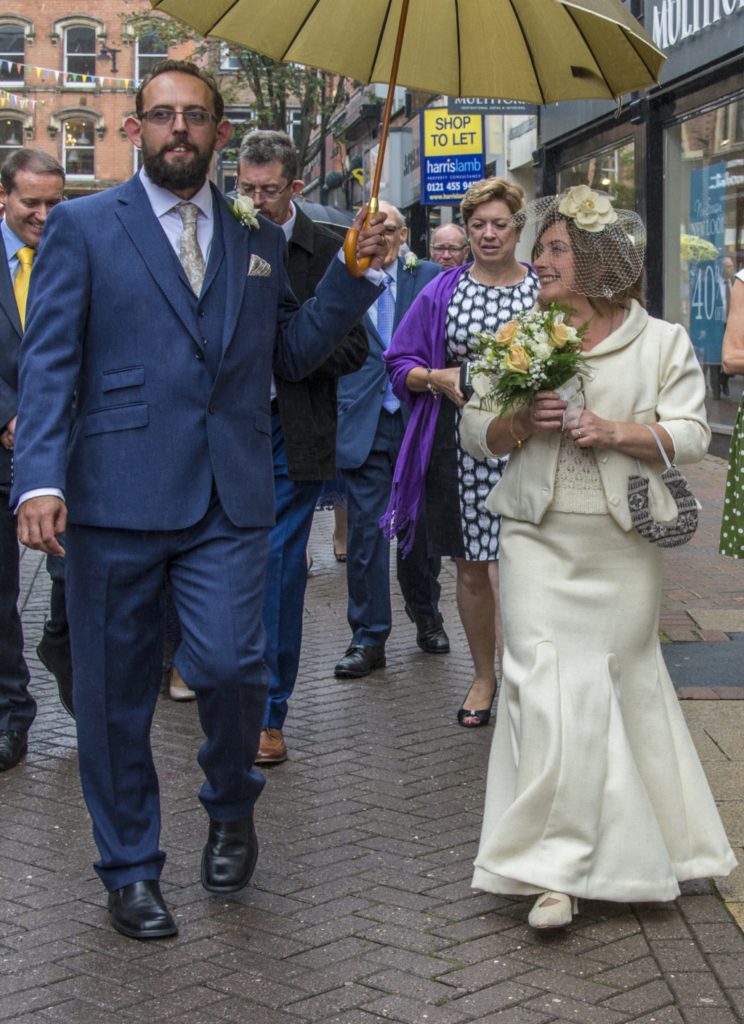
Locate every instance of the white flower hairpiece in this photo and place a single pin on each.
(591, 211)
(244, 210)
(411, 262)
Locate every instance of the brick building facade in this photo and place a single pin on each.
(68, 74)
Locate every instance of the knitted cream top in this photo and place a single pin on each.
(578, 487)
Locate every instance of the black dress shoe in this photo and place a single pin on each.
(54, 654)
(230, 855)
(430, 634)
(138, 911)
(13, 746)
(360, 660)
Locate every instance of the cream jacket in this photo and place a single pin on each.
(644, 372)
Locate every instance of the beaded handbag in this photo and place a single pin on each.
(674, 532)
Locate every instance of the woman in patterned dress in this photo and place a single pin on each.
(425, 360)
(732, 527)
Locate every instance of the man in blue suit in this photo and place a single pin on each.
(31, 183)
(166, 314)
(370, 432)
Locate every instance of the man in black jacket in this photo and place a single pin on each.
(303, 423)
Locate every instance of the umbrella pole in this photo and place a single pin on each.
(357, 267)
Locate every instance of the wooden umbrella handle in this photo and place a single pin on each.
(358, 267)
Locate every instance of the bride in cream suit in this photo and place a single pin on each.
(594, 789)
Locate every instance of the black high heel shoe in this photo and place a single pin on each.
(475, 717)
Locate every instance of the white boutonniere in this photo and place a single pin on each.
(244, 211)
(411, 262)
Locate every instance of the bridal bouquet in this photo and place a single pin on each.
(538, 351)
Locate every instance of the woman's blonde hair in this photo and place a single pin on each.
(489, 189)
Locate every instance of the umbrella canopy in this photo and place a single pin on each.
(541, 51)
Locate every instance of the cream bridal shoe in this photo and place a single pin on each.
(552, 910)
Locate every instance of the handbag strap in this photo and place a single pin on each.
(659, 445)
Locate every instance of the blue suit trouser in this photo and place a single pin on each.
(17, 706)
(114, 585)
(368, 550)
(286, 579)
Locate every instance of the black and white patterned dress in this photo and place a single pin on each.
(457, 485)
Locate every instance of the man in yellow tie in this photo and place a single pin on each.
(31, 183)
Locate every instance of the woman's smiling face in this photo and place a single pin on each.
(555, 265)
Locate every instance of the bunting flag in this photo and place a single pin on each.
(12, 66)
(10, 99)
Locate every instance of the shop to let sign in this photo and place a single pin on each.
(453, 156)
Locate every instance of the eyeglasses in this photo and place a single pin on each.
(448, 248)
(269, 192)
(164, 117)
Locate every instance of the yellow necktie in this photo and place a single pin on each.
(22, 279)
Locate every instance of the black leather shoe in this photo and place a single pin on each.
(360, 660)
(230, 855)
(54, 654)
(430, 634)
(13, 746)
(138, 911)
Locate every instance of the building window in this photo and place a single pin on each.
(704, 240)
(80, 54)
(78, 147)
(11, 136)
(228, 60)
(294, 124)
(150, 51)
(611, 170)
(12, 51)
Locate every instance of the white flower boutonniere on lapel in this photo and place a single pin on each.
(244, 211)
(411, 262)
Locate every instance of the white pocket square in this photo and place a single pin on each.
(258, 267)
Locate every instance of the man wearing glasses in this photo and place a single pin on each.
(303, 423)
(165, 314)
(449, 246)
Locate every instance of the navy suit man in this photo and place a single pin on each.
(370, 432)
(165, 313)
(303, 424)
(31, 183)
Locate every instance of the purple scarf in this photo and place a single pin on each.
(418, 341)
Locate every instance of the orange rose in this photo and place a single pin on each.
(506, 334)
(517, 359)
(560, 335)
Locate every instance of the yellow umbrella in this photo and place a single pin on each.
(541, 51)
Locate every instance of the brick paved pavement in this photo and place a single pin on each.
(361, 910)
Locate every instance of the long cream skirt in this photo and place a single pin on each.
(594, 787)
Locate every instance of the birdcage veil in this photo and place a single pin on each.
(608, 244)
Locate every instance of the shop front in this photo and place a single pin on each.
(676, 156)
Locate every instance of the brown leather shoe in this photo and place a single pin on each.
(271, 747)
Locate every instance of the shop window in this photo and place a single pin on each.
(12, 52)
(150, 51)
(611, 170)
(78, 147)
(80, 54)
(704, 243)
(11, 135)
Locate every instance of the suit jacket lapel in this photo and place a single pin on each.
(7, 298)
(235, 239)
(404, 295)
(148, 237)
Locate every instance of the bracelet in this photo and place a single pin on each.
(429, 384)
(518, 440)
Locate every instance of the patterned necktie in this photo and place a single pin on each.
(22, 279)
(385, 321)
(189, 253)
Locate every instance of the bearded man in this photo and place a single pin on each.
(165, 314)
